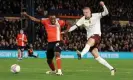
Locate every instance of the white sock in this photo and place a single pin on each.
(59, 70)
(85, 50)
(104, 62)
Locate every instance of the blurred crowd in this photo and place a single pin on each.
(117, 9)
(8, 33)
(10, 7)
(114, 37)
(118, 38)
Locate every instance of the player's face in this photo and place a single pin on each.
(52, 19)
(21, 31)
(87, 13)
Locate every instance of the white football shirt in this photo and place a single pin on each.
(92, 25)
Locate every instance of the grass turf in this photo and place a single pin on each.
(73, 69)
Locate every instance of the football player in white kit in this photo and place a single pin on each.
(91, 22)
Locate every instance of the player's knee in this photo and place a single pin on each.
(19, 50)
(57, 54)
(91, 41)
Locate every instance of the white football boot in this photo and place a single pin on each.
(51, 72)
(113, 72)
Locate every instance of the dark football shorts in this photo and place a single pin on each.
(52, 48)
(97, 39)
(21, 48)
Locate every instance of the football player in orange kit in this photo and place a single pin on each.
(21, 43)
(53, 30)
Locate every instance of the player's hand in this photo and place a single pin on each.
(64, 32)
(24, 13)
(25, 41)
(101, 3)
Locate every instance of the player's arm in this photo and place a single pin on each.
(69, 29)
(78, 23)
(67, 24)
(25, 39)
(72, 28)
(64, 23)
(105, 12)
(31, 17)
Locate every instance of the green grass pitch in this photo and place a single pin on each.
(73, 69)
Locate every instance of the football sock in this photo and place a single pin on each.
(19, 55)
(58, 62)
(85, 50)
(51, 65)
(104, 62)
(22, 54)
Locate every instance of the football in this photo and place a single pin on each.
(15, 68)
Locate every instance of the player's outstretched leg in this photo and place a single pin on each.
(51, 66)
(89, 44)
(58, 62)
(102, 61)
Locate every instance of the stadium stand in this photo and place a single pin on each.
(115, 37)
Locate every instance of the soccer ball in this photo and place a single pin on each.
(15, 68)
